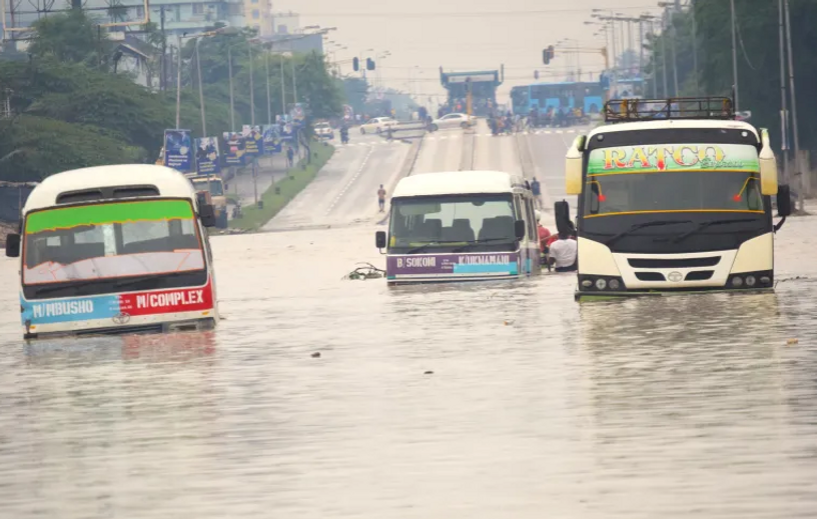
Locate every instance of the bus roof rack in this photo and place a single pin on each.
(631, 110)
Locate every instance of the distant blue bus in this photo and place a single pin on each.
(559, 96)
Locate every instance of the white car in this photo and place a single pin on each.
(451, 121)
(377, 125)
(324, 131)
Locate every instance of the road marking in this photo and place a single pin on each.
(352, 181)
(547, 132)
(571, 131)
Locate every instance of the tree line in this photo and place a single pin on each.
(758, 59)
(70, 110)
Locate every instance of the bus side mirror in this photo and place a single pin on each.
(13, 245)
(519, 229)
(783, 201)
(207, 213)
(768, 166)
(561, 211)
(573, 167)
(380, 239)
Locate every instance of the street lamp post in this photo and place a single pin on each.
(232, 99)
(252, 86)
(201, 93)
(734, 56)
(179, 83)
(269, 104)
(798, 165)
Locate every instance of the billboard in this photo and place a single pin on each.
(253, 140)
(207, 155)
(179, 150)
(234, 154)
(272, 139)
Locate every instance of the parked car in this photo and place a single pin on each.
(377, 125)
(451, 121)
(324, 131)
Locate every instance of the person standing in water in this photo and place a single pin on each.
(381, 198)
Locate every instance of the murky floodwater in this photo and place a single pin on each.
(671, 407)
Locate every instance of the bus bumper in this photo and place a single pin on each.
(189, 325)
(586, 296)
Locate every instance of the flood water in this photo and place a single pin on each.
(478, 401)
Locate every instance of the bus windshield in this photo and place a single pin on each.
(673, 178)
(449, 223)
(111, 240)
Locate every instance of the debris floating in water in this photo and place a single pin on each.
(366, 271)
(792, 341)
(428, 373)
(316, 355)
(509, 322)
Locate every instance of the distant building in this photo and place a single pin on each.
(258, 15)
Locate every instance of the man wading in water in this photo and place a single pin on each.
(381, 198)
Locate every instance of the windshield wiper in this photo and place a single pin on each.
(704, 225)
(471, 243)
(468, 243)
(641, 226)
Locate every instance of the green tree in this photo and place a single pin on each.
(73, 37)
(36, 147)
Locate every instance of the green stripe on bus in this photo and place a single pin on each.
(100, 214)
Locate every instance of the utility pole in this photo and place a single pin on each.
(232, 98)
(294, 81)
(664, 53)
(283, 88)
(654, 61)
(695, 48)
(784, 116)
(201, 93)
(641, 48)
(798, 163)
(163, 78)
(252, 88)
(179, 81)
(269, 104)
(674, 61)
(734, 56)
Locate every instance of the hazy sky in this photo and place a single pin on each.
(423, 35)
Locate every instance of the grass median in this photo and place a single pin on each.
(288, 188)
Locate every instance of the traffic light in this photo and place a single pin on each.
(356, 64)
(369, 64)
(547, 55)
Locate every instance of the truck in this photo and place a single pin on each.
(213, 187)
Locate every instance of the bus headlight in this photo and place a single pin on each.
(601, 283)
(614, 284)
(749, 280)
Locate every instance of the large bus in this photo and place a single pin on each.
(482, 85)
(460, 226)
(557, 96)
(113, 250)
(680, 202)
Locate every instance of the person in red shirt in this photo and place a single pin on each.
(544, 234)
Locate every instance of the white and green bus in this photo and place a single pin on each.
(673, 196)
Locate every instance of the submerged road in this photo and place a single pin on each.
(470, 401)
